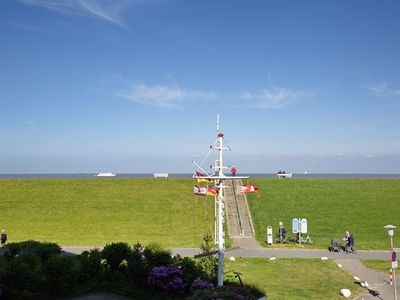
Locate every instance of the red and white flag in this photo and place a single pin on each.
(245, 189)
(200, 190)
(204, 191)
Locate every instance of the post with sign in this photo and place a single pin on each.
(390, 230)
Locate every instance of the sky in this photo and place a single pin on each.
(134, 86)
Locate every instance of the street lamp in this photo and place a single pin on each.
(390, 230)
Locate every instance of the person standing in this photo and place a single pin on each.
(3, 237)
(233, 170)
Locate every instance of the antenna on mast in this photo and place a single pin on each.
(217, 122)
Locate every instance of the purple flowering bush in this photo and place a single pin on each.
(201, 285)
(167, 280)
(226, 292)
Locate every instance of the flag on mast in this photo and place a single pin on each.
(247, 189)
(204, 191)
(198, 174)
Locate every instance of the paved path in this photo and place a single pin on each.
(378, 282)
(290, 253)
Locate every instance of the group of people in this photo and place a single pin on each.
(3, 237)
(349, 247)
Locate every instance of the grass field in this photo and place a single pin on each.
(378, 265)
(293, 278)
(95, 212)
(331, 206)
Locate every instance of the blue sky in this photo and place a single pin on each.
(134, 86)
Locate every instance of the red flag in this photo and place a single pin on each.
(245, 189)
(212, 192)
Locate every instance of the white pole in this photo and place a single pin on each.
(394, 272)
(221, 240)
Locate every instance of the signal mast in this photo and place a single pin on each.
(219, 177)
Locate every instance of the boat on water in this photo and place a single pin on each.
(105, 174)
(160, 175)
(283, 174)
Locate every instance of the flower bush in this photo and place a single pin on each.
(201, 285)
(167, 280)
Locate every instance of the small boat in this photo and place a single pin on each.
(283, 174)
(106, 174)
(160, 175)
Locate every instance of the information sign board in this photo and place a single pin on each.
(303, 225)
(295, 225)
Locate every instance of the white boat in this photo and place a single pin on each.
(283, 174)
(160, 175)
(106, 174)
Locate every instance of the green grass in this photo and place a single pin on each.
(95, 212)
(331, 206)
(378, 265)
(293, 278)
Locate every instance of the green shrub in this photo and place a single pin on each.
(43, 249)
(90, 262)
(156, 256)
(209, 264)
(60, 275)
(191, 270)
(22, 278)
(115, 253)
(137, 268)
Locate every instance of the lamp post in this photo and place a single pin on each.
(390, 230)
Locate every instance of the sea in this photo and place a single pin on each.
(187, 175)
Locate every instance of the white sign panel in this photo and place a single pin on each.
(303, 225)
(269, 235)
(295, 225)
(394, 264)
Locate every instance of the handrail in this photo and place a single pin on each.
(237, 208)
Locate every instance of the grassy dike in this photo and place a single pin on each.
(331, 206)
(98, 211)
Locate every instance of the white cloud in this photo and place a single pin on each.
(273, 98)
(165, 96)
(108, 10)
(384, 89)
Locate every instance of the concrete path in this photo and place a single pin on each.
(378, 288)
(289, 253)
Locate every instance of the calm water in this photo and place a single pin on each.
(181, 175)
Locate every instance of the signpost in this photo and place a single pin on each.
(394, 260)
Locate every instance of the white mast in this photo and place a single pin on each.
(219, 178)
(221, 203)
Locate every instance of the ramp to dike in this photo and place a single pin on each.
(239, 221)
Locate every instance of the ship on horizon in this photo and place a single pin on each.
(105, 174)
